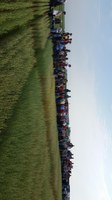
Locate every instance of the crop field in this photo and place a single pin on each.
(29, 153)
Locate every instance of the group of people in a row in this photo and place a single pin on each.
(60, 40)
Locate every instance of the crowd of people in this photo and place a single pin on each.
(60, 39)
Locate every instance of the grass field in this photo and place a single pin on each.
(29, 153)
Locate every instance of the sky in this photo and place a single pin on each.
(90, 22)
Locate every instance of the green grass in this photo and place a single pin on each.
(48, 98)
(29, 152)
(14, 6)
(21, 32)
(25, 160)
(14, 72)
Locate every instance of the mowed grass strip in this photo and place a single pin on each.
(48, 98)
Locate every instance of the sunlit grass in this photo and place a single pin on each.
(29, 152)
